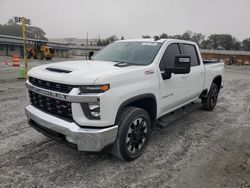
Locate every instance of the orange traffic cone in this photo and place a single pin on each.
(15, 60)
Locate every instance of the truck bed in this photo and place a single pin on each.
(210, 61)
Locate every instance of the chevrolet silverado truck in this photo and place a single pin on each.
(114, 99)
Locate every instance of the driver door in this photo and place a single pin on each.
(173, 91)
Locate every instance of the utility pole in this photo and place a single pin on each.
(87, 38)
(24, 21)
(24, 28)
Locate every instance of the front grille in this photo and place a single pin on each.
(64, 88)
(59, 108)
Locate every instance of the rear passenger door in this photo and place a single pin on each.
(195, 79)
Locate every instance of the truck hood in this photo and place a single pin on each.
(77, 72)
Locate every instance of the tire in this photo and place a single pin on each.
(48, 58)
(40, 56)
(210, 101)
(29, 55)
(134, 128)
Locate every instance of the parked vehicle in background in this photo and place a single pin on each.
(116, 98)
(40, 50)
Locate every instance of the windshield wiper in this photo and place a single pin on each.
(125, 64)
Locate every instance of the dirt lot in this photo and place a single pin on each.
(203, 149)
(9, 72)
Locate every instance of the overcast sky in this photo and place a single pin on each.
(131, 18)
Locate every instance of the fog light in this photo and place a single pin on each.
(96, 115)
(91, 110)
(71, 140)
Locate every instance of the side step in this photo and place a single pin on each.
(177, 114)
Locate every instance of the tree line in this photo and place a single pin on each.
(213, 41)
(13, 29)
(105, 42)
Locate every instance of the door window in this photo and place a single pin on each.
(189, 49)
(168, 58)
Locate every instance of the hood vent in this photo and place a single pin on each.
(58, 70)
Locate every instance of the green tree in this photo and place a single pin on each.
(146, 36)
(99, 42)
(36, 32)
(187, 35)
(106, 41)
(222, 42)
(198, 38)
(213, 42)
(164, 36)
(13, 29)
(176, 37)
(112, 38)
(246, 44)
(205, 44)
(228, 42)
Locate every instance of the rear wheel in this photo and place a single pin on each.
(210, 101)
(133, 134)
(29, 55)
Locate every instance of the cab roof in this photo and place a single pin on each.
(157, 41)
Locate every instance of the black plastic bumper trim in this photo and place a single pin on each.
(52, 134)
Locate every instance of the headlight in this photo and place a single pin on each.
(94, 88)
(91, 110)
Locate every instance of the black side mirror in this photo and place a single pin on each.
(182, 66)
(91, 53)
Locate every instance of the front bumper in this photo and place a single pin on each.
(86, 139)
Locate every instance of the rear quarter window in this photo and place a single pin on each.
(189, 49)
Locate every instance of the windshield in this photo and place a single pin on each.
(137, 53)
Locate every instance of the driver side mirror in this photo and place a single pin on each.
(182, 65)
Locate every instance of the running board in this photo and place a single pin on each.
(177, 114)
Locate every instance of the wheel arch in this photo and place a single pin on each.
(144, 101)
(218, 80)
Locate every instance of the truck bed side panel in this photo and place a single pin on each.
(212, 70)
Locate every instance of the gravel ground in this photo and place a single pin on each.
(8, 72)
(202, 149)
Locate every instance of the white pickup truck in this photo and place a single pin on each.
(114, 99)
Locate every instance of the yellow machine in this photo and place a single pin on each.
(40, 51)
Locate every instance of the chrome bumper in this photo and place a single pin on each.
(86, 139)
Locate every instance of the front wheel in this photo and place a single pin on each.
(133, 133)
(210, 101)
(29, 55)
(40, 56)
